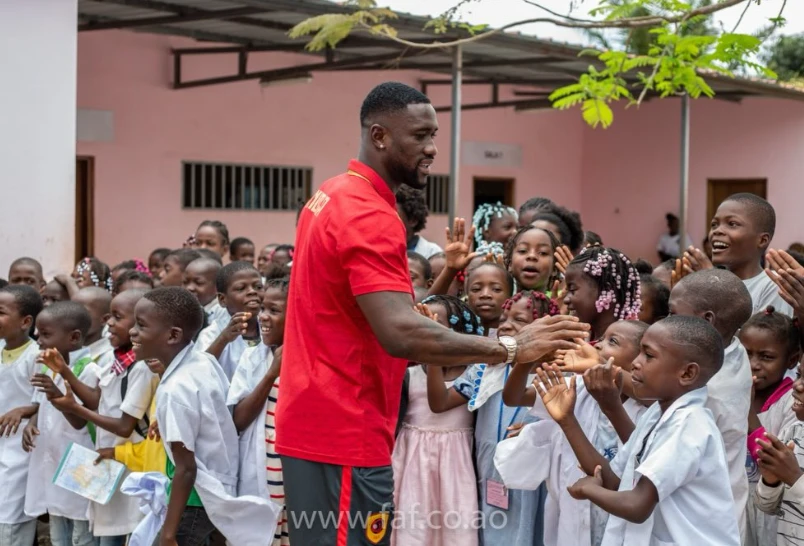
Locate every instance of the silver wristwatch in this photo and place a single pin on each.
(509, 344)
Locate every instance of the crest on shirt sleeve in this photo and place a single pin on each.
(376, 527)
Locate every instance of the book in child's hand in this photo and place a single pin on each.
(77, 472)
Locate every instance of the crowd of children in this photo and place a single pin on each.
(678, 421)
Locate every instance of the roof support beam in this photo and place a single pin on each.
(169, 19)
(531, 104)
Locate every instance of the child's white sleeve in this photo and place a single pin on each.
(181, 422)
(525, 461)
(241, 385)
(768, 499)
(675, 456)
(142, 384)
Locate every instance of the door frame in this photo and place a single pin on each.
(711, 206)
(85, 208)
(510, 187)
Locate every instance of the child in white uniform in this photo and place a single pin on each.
(669, 482)
(19, 306)
(240, 292)
(721, 298)
(97, 301)
(62, 327)
(252, 397)
(127, 387)
(196, 428)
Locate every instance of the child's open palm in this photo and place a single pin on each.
(459, 245)
(578, 361)
(53, 360)
(558, 397)
(425, 311)
(563, 257)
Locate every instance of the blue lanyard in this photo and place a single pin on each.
(502, 405)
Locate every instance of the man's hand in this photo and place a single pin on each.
(548, 335)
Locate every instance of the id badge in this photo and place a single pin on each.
(496, 495)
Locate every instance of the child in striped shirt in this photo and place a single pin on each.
(253, 395)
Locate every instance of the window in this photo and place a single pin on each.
(437, 193)
(231, 186)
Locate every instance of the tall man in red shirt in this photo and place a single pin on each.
(351, 330)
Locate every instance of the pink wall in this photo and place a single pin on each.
(138, 190)
(631, 171)
(623, 180)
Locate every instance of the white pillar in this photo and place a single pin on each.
(37, 132)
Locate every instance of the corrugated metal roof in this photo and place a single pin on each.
(504, 57)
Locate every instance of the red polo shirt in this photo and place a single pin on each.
(340, 390)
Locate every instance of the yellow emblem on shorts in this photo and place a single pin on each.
(376, 527)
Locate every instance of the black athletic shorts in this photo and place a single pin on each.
(331, 505)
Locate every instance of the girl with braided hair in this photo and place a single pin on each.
(602, 288)
(494, 225)
(480, 389)
(432, 460)
(530, 259)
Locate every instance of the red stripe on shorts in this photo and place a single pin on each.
(344, 505)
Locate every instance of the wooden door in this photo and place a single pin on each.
(718, 190)
(84, 207)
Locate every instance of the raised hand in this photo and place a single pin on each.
(558, 397)
(579, 360)
(579, 489)
(547, 335)
(53, 360)
(64, 402)
(276, 365)
(237, 326)
(425, 311)
(791, 288)
(605, 383)
(458, 250)
(493, 258)
(563, 257)
(43, 383)
(779, 259)
(697, 260)
(777, 462)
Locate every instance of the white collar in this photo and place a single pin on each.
(177, 360)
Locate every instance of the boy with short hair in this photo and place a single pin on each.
(421, 272)
(241, 249)
(719, 297)
(126, 389)
(196, 428)
(62, 328)
(174, 265)
(97, 302)
(19, 306)
(669, 482)
(740, 234)
(26, 271)
(199, 279)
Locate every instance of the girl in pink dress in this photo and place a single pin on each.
(435, 487)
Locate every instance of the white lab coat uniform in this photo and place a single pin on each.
(729, 400)
(191, 409)
(215, 312)
(120, 515)
(426, 248)
(252, 477)
(764, 292)
(231, 354)
(15, 392)
(684, 458)
(566, 520)
(55, 436)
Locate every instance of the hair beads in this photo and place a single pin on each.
(617, 280)
(461, 319)
(541, 305)
(98, 271)
(485, 214)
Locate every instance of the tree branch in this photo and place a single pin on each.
(626, 22)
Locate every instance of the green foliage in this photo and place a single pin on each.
(786, 57)
(665, 48)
